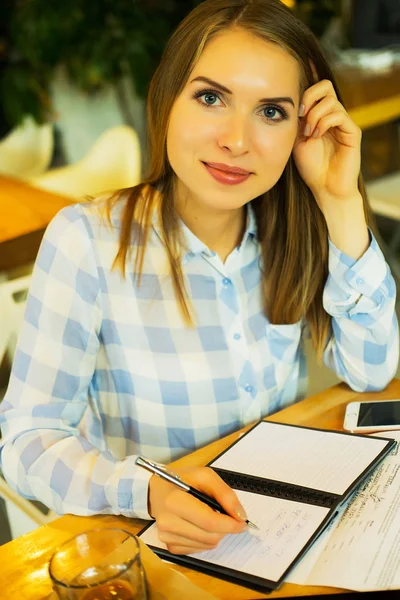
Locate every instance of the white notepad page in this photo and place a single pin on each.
(322, 460)
(285, 527)
(361, 549)
(311, 458)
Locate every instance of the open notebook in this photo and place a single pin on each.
(291, 481)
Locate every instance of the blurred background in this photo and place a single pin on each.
(73, 82)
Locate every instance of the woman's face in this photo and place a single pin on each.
(239, 108)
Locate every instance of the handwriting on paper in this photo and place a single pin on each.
(285, 527)
(361, 551)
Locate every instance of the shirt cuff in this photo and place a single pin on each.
(133, 490)
(353, 281)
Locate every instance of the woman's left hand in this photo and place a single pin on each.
(327, 150)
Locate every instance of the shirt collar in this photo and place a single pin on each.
(195, 247)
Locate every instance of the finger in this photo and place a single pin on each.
(327, 105)
(214, 486)
(315, 94)
(172, 528)
(170, 539)
(209, 520)
(192, 510)
(348, 130)
(177, 549)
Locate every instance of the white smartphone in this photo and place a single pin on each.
(368, 417)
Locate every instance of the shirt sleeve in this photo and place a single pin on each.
(360, 296)
(44, 456)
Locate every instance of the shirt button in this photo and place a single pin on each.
(236, 336)
(248, 388)
(226, 281)
(359, 280)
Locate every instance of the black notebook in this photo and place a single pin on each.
(291, 481)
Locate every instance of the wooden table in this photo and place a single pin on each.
(25, 213)
(371, 97)
(24, 561)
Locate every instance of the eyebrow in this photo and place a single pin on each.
(224, 89)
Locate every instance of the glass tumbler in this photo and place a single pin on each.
(100, 564)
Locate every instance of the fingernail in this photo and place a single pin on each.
(307, 129)
(241, 513)
(316, 132)
(302, 108)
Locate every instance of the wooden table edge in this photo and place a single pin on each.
(325, 410)
(376, 113)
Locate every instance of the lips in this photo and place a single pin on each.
(226, 177)
(228, 169)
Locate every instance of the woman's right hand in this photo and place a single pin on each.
(187, 525)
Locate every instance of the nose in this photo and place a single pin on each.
(235, 134)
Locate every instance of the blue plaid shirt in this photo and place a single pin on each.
(106, 370)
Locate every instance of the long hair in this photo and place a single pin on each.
(291, 229)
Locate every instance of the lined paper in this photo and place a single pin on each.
(285, 527)
(321, 460)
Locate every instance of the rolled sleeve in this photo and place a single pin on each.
(357, 285)
(360, 296)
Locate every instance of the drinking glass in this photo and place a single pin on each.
(100, 564)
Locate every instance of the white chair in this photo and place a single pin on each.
(23, 515)
(384, 198)
(27, 150)
(113, 162)
(12, 306)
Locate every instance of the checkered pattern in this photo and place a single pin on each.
(106, 370)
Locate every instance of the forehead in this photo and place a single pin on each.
(239, 58)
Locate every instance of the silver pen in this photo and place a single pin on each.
(165, 473)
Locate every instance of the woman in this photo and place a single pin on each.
(182, 319)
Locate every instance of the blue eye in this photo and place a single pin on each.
(208, 96)
(274, 113)
(270, 113)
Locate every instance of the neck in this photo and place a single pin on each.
(221, 231)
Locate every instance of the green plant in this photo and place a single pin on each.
(98, 42)
(316, 14)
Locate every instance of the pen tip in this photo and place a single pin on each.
(250, 524)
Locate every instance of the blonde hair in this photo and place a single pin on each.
(291, 229)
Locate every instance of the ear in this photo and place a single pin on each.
(313, 71)
(299, 135)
